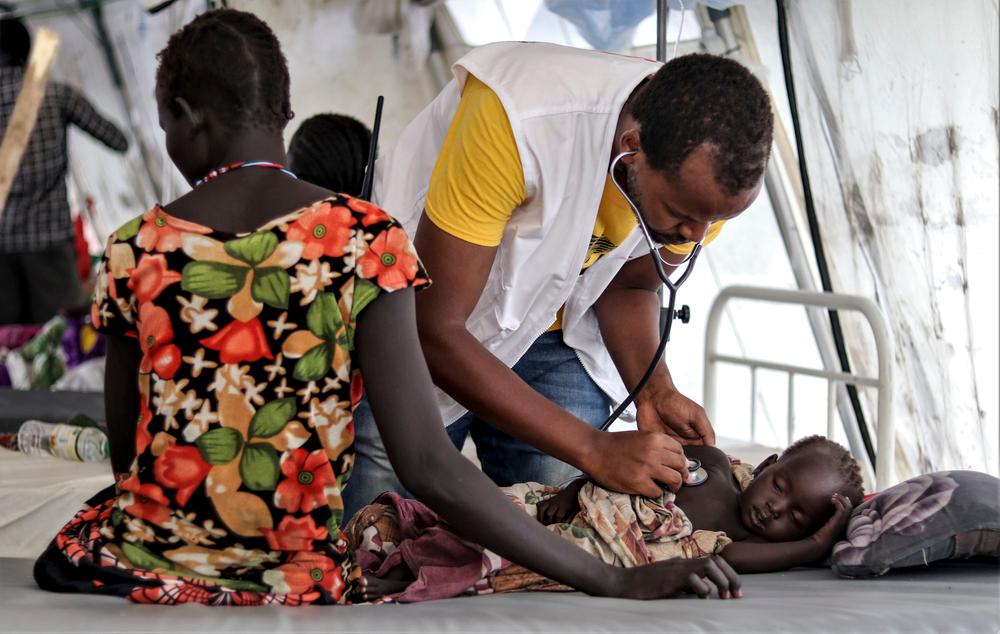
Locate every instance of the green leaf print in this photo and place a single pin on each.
(364, 292)
(259, 467)
(314, 364)
(254, 248)
(129, 230)
(212, 279)
(220, 445)
(271, 286)
(333, 524)
(324, 318)
(272, 418)
(143, 558)
(531, 498)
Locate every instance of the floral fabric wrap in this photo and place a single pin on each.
(943, 515)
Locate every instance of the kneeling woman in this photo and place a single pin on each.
(241, 318)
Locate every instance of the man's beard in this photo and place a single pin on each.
(631, 189)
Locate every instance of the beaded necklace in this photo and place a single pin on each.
(239, 165)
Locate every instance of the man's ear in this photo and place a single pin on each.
(767, 462)
(195, 117)
(630, 142)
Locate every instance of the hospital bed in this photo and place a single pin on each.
(38, 495)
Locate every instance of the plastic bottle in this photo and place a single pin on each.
(70, 442)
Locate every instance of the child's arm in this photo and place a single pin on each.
(750, 557)
(562, 506)
(398, 385)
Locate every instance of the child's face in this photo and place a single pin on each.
(789, 499)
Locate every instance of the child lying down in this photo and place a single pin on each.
(788, 511)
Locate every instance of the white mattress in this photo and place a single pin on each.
(38, 495)
(955, 597)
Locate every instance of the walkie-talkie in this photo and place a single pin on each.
(366, 184)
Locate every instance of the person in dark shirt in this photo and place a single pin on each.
(38, 275)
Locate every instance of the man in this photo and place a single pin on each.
(38, 274)
(544, 308)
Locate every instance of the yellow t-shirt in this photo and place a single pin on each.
(478, 182)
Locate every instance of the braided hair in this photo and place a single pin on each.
(852, 486)
(331, 150)
(705, 99)
(228, 61)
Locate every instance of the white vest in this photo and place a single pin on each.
(563, 105)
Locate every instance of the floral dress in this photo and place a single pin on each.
(245, 434)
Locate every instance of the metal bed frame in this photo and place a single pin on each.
(884, 471)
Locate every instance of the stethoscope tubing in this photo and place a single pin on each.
(654, 253)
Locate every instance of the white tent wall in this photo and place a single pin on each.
(333, 69)
(899, 110)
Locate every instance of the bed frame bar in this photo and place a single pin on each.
(884, 468)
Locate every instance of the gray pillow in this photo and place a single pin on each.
(944, 515)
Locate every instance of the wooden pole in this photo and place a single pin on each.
(25, 113)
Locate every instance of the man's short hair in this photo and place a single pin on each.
(15, 41)
(701, 99)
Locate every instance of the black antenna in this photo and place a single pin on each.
(366, 184)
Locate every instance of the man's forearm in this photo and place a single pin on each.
(629, 320)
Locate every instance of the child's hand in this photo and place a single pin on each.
(833, 530)
(562, 506)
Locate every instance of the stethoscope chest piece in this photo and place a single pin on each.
(698, 474)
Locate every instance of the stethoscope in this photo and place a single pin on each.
(698, 473)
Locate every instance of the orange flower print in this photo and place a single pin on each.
(149, 279)
(155, 334)
(148, 501)
(372, 213)
(306, 571)
(306, 477)
(357, 387)
(326, 230)
(181, 468)
(142, 436)
(162, 232)
(294, 533)
(240, 341)
(390, 259)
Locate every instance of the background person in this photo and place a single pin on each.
(38, 273)
(331, 150)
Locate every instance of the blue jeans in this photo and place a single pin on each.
(551, 368)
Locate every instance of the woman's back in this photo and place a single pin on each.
(247, 382)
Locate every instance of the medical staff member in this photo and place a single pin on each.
(544, 309)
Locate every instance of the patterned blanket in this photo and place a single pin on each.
(621, 530)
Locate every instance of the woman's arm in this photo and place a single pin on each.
(121, 399)
(399, 390)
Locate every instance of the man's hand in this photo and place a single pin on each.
(667, 410)
(640, 462)
(831, 532)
